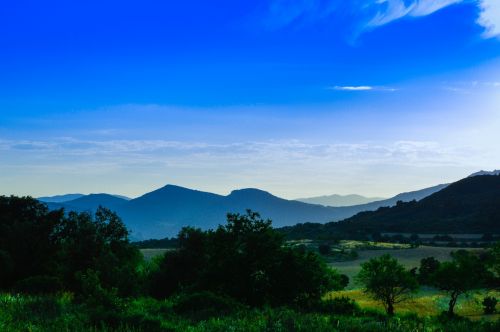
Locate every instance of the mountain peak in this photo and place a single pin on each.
(481, 172)
(250, 192)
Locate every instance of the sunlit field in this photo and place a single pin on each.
(427, 302)
(410, 258)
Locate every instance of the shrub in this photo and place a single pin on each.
(324, 249)
(203, 305)
(340, 306)
(489, 304)
(38, 285)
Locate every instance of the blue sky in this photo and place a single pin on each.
(295, 97)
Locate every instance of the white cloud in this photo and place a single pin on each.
(353, 88)
(371, 14)
(361, 88)
(391, 10)
(489, 17)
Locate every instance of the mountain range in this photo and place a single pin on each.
(471, 205)
(163, 212)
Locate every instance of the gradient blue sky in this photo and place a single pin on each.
(297, 97)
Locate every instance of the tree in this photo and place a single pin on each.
(247, 260)
(27, 245)
(387, 281)
(428, 266)
(324, 249)
(98, 245)
(462, 274)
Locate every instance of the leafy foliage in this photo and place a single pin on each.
(459, 276)
(45, 251)
(247, 260)
(387, 281)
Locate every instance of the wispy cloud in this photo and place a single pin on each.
(361, 88)
(371, 14)
(391, 10)
(290, 167)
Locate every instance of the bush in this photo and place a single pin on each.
(324, 249)
(203, 305)
(39, 285)
(340, 306)
(489, 304)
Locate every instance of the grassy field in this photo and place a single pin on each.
(408, 257)
(427, 302)
(150, 253)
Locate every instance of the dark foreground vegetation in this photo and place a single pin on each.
(79, 272)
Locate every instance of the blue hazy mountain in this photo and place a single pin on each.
(71, 197)
(163, 212)
(339, 200)
(60, 198)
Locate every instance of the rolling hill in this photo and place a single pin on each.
(471, 205)
(163, 212)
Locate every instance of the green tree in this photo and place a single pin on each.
(428, 266)
(247, 260)
(387, 281)
(27, 245)
(97, 243)
(459, 276)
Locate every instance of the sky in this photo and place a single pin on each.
(296, 97)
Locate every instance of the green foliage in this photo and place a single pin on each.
(489, 304)
(340, 306)
(45, 251)
(324, 249)
(100, 244)
(461, 275)
(387, 281)
(428, 266)
(27, 246)
(49, 313)
(39, 285)
(247, 260)
(203, 305)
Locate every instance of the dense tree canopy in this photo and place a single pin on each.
(41, 250)
(247, 260)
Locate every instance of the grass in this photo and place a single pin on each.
(410, 258)
(61, 313)
(427, 302)
(150, 253)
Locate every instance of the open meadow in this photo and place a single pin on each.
(409, 257)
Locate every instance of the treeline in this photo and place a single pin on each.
(44, 251)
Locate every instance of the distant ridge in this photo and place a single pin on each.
(495, 172)
(71, 197)
(59, 198)
(339, 200)
(471, 205)
(163, 212)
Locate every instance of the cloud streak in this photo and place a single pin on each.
(371, 14)
(361, 88)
